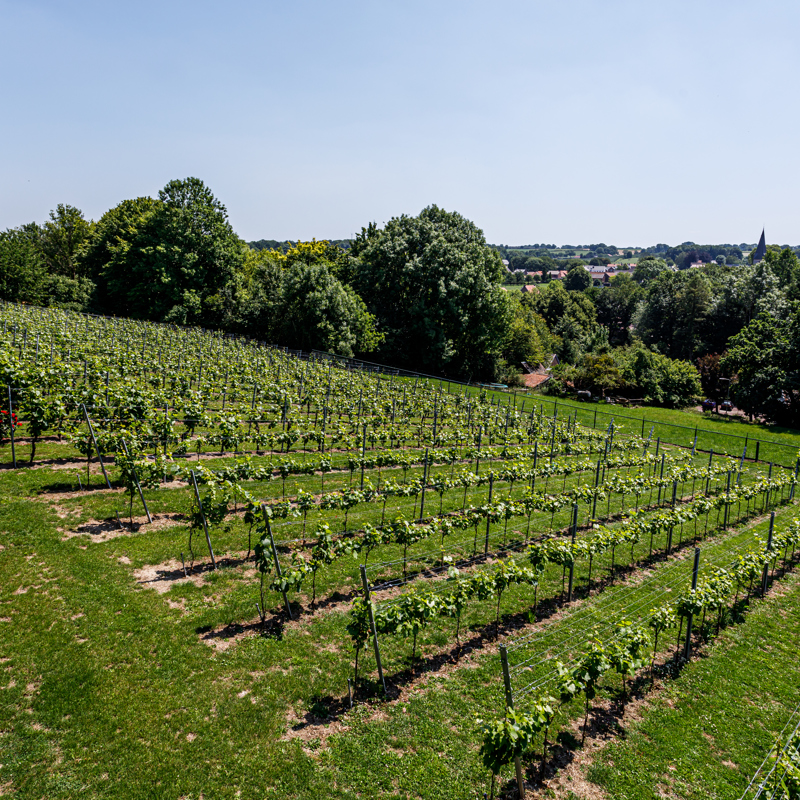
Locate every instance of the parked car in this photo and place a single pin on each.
(726, 405)
(709, 404)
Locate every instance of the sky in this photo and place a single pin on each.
(542, 121)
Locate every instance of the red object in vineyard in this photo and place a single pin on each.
(14, 420)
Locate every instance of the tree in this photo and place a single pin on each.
(570, 316)
(648, 268)
(113, 235)
(766, 359)
(180, 264)
(63, 241)
(434, 287)
(598, 372)
(674, 312)
(784, 264)
(659, 379)
(527, 337)
(711, 373)
(578, 279)
(616, 305)
(22, 266)
(317, 312)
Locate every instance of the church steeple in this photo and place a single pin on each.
(761, 250)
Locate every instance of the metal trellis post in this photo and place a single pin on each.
(368, 598)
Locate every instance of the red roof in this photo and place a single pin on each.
(534, 379)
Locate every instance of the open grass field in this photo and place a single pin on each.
(131, 667)
(722, 433)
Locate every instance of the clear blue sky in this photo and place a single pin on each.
(552, 121)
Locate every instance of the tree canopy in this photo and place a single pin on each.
(434, 287)
(424, 292)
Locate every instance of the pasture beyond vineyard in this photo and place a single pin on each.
(208, 543)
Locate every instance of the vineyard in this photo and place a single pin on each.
(300, 548)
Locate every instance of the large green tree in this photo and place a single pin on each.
(658, 379)
(578, 278)
(674, 311)
(22, 267)
(616, 304)
(571, 317)
(434, 287)
(765, 355)
(295, 299)
(176, 260)
(63, 241)
(528, 337)
(316, 311)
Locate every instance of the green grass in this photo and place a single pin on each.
(707, 732)
(715, 431)
(107, 689)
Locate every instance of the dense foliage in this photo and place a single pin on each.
(425, 292)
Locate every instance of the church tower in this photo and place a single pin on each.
(761, 250)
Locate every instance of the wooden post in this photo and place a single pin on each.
(136, 480)
(11, 427)
(424, 484)
(688, 646)
(572, 563)
(765, 576)
(488, 519)
(97, 449)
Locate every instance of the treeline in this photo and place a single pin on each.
(422, 292)
(738, 325)
(288, 244)
(425, 293)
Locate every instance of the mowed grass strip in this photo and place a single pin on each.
(705, 734)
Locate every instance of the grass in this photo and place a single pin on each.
(107, 689)
(715, 431)
(707, 732)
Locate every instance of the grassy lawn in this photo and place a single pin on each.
(714, 431)
(112, 689)
(708, 731)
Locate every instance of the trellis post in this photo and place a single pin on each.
(510, 705)
(203, 517)
(11, 427)
(424, 484)
(275, 560)
(368, 598)
(572, 562)
(97, 449)
(688, 646)
(488, 517)
(136, 481)
(765, 576)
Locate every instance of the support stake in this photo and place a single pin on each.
(688, 647)
(136, 480)
(97, 449)
(510, 705)
(275, 558)
(572, 563)
(368, 598)
(203, 517)
(765, 576)
(11, 428)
